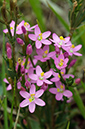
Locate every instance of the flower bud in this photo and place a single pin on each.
(24, 122)
(29, 49)
(8, 45)
(24, 30)
(57, 50)
(9, 53)
(22, 69)
(72, 63)
(27, 84)
(44, 86)
(77, 81)
(20, 41)
(66, 55)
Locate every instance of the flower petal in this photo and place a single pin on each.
(32, 107)
(24, 103)
(39, 82)
(53, 90)
(46, 34)
(77, 54)
(55, 37)
(47, 81)
(78, 47)
(5, 30)
(32, 37)
(46, 41)
(9, 87)
(38, 44)
(37, 30)
(40, 102)
(67, 93)
(24, 94)
(32, 89)
(33, 76)
(48, 74)
(39, 93)
(5, 80)
(59, 96)
(38, 70)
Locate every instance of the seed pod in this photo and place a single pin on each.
(3, 12)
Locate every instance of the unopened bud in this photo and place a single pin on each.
(44, 86)
(24, 122)
(24, 30)
(27, 84)
(8, 45)
(29, 49)
(66, 55)
(22, 69)
(57, 50)
(72, 63)
(20, 41)
(77, 81)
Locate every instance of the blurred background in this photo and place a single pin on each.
(59, 17)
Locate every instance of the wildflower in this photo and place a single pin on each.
(77, 81)
(32, 98)
(40, 77)
(43, 54)
(40, 38)
(60, 41)
(60, 62)
(72, 63)
(20, 41)
(60, 91)
(9, 87)
(29, 49)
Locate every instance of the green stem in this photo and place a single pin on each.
(32, 61)
(11, 120)
(4, 86)
(15, 126)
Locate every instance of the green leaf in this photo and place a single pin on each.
(83, 85)
(68, 125)
(78, 101)
(58, 16)
(38, 12)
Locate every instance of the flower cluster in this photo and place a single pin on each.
(30, 75)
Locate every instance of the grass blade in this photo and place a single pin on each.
(58, 16)
(35, 4)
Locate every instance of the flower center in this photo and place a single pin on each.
(60, 43)
(42, 74)
(41, 78)
(72, 46)
(26, 24)
(58, 76)
(61, 62)
(62, 73)
(61, 89)
(40, 37)
(32, 98)
(61, 38)
(45, 53)
(71, 50)
(11, 28)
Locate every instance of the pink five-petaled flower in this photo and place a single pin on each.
(40, 38)
(60, 91)
(40, 77)
(32, 98)
(73, 50)
(43, 54)
(61, 62)
(60, 41)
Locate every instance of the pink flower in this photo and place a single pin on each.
(40, 38)
(9, 87)
(60, 91)
(43, 54)
(60, 41)
(56, 77)
(61, 62)
(18, 28)
(32, 98)
(40, 77)
(29, 49)
(73, 50)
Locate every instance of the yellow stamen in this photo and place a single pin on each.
(28, 62)
(62, 73)
(23, 63)
(58, 90)
(58, 75)
(40, 34)
(11, 28)
(26, 24)
(61, 38)
(61, 60)
(61, 86)
(46, 52)
(42, 74)
(32, 94)
(72, 46)
(19, 61)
